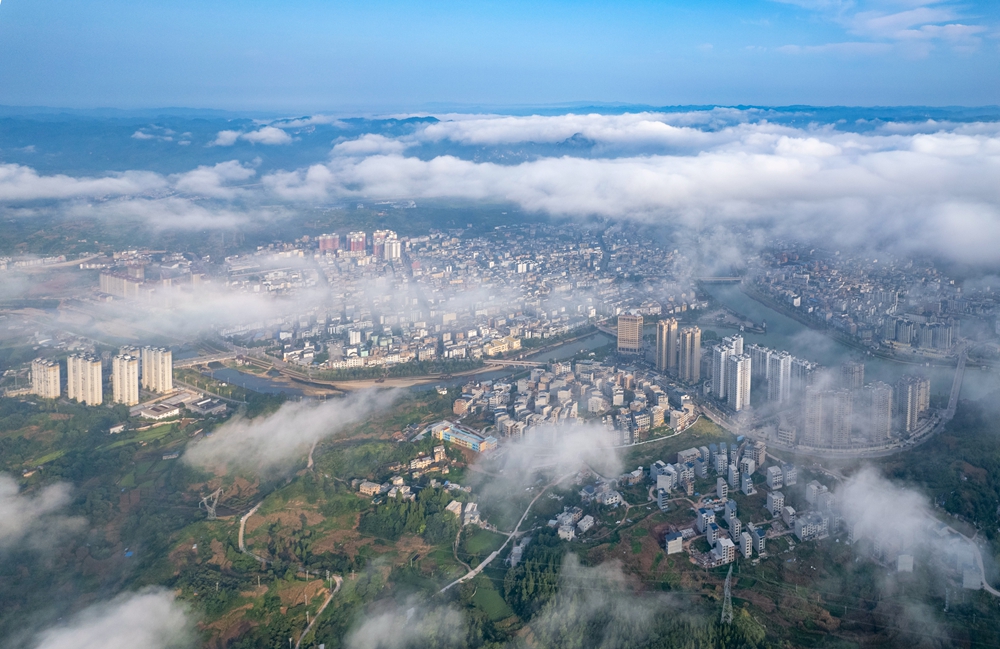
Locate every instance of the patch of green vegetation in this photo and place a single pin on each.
(489, 600)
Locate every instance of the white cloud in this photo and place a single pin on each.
(812, 181)
(20, 183)
(35, 520)
(150, 619)
(263, 135)
(369, 144)
(279, 439)
(213, 181)
(225, 138)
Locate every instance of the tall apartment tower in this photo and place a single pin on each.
(730, 346)
(913, 394)
(356, 242)
(852, 375)
(45, 378)
(720, 363)
(779, 383)
(760, 358)
(738, 381)
(827, 417)
(157, 369)
(689, 356)
(328, 242)
(878, 406)
(83, 379)
(629, 333)
(666, 345)
(125, 379)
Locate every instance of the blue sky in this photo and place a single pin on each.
(387, 55)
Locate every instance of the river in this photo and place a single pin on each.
(253, 382)
(788, 334)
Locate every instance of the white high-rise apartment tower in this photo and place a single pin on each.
(83, 379)
(125, 379)
(738, 381)
(157, 369)
(45, 378)
(779, 382)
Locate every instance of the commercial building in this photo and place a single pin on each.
(157, 369)
(45, 379)
(629, 333)
(83, 379)
(462, 436)
(125, 379)
(689, 355)
(667, 345)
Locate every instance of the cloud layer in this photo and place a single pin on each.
(33, 520)
(916, 186)
(278, 440)
(150, 619)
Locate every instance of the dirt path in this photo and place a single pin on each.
(329, 598)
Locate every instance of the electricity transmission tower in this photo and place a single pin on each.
(210, 501)
(727, 604)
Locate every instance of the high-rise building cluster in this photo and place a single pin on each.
(152, 367)
(848, 416)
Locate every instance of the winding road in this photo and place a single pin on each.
(478, 569)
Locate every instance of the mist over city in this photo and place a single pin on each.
(504, 326)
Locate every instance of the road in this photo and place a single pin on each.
(329, 598)
(478, 569)
(243, 524)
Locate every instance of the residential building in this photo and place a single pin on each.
(45, 378)
(738, 382)
(666, 345)
(779, 377)
(774, 477)
(775, 502)
(125, 379)
(878, 402)
(157, 369)
(705, 518)
(721, 488)
(724, 551)
(811, 525)
(673, 543)
(83, 379)
(746, 544)
(689, 355)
